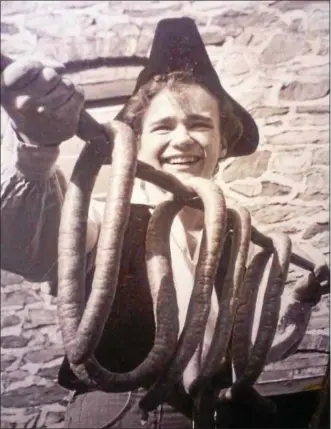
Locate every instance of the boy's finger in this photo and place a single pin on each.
(51, 63)
(20, 74)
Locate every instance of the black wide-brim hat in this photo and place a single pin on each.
(178, 46)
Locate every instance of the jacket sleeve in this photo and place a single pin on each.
(32, 193)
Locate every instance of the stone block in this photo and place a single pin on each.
(284, 47)
(246, 189)
(290, 161)
(274, 122)
(302, 91)
(211, 6)
(13, 342)
(20, 297)
(322, 242)
(268, 111)
(324, 48)
(318, 19)
(319, 120)
(8, 278)
(297, 25)
(321, 156)
(233, 62)
(71, 4)
(111, 45)
(43, 355)
(145, 39)
(309, 68)
(317, 185)
(53, 417)
(49, 373)
(17, 7)
(104, 20)
(18, 45)
(148, 9)
(7, 360)
(273, 189)
(245, 38)
(313, 109)
(14, 376)
(5, 424)
(315, 228)
(247, 166)
(295, 137)
(213, 35)
(9, 28)
(11, 320)
(38, 318)
(32, 396)
(275, 213)
(53, 25)
(285, 6)
(64, 49)
(235, 21)
(215, 54)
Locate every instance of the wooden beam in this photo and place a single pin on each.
(106, 83)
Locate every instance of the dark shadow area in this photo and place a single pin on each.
(293, 411)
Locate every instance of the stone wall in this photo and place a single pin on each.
(272, 56)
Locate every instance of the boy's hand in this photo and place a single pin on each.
(44, 107)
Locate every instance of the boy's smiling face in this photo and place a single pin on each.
(181, 132)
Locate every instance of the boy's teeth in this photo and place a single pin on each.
(182, 160)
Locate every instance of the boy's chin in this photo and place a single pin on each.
(184, 174)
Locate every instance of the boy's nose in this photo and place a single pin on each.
(181, 136)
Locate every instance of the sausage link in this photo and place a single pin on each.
(72, 241)
(158, 260)
(270, 310)
(109, 249)
(242, 329)
(240, 221)
(199, 305)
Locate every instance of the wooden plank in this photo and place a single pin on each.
(107, 90)
(318, 341)
(287, 387)
(318, 321)
(298, 361)
(106, 82)
(106, 74)
(298, 372)
(293, 373)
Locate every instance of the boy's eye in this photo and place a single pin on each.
(162, 128)
(200, 126)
